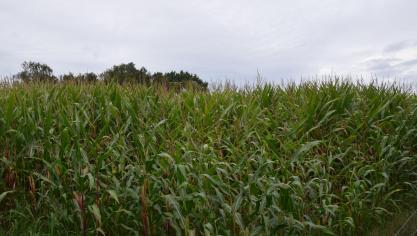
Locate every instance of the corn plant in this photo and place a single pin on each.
(317, 158)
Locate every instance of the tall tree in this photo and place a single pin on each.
(35, 71)
(126, 73)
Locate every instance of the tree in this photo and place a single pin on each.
(80, 78)
(89, 77)
(68, 77)
(126, 73)
(35, 71)
(159, 78)
(186, 79)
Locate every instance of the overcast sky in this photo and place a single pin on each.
(216, 39)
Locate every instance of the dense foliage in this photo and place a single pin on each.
(126, 73)
(80, 78)
(121, 74)
(35, 71)
(309, 159)
(179, 77)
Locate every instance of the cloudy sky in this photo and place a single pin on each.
(216, 39)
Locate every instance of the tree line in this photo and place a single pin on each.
(122, 74)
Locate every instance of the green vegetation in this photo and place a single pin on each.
(121, 74)
(80, 78)
(35, 71)
(311, 159)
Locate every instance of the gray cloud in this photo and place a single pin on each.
(400, 46)
(215, 39)
(409, 63)
(381, 64)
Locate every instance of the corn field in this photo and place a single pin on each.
(317, 158)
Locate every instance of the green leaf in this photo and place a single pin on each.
(113, 195)
(4, 194)
(96, 213)
(305, 148)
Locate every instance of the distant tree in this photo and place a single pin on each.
(89, 77)
(186, 79)
(68, 77)
(80, 78)
(35, 71)
(126, 73)
(159, 78)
